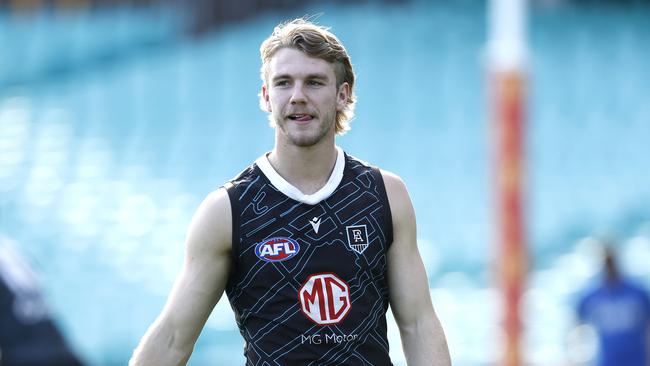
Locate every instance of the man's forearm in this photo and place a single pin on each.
(160, 348)
(424, 344)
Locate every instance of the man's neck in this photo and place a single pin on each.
(306, 168)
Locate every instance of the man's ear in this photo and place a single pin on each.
(343, 96)
(265, 103)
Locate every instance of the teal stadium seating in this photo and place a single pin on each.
(114, 126)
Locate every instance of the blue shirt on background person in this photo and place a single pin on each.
(619, 312)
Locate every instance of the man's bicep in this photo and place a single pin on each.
(205, 269)
(408, 284)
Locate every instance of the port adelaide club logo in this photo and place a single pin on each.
(277, 249)
(358, 238)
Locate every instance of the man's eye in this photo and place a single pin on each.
(281, 83)
(314, 83)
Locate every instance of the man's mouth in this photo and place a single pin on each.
(301, 117)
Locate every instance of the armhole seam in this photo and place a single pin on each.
(234, 218)
(384, 200)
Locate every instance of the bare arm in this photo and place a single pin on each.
(423, 338)
(171, 338)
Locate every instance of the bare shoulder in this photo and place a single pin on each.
(217, 202)
(396, 191)
(211, 227)
(402, 213)
(391, 179)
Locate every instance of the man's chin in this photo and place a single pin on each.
(305, 141)
(303, 137)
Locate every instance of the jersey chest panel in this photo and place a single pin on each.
(309, 281)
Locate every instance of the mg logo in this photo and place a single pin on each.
(325, 298)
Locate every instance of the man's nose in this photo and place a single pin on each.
(298, 96)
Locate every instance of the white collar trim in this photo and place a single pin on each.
(288, 189)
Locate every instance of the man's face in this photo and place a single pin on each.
(301, 94)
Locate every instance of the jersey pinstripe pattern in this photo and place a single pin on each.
(266, 295)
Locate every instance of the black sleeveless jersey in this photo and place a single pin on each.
(309, 276)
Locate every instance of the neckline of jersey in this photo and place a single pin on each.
(292, 192)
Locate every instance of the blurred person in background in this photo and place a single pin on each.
(28, 336)
(619, 313)
(310, 244)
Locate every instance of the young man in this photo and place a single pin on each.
(310, 244)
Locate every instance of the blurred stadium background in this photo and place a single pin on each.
(117, 118)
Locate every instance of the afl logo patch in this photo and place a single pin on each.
(277, 249)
